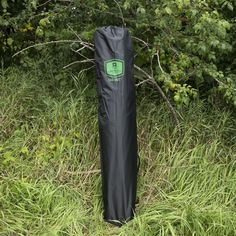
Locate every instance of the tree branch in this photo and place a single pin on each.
(176, 115)
(77, 62)
(44, 3)
(46, 43)
(121, 13)
(159, 64)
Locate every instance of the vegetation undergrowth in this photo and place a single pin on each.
(49, 163)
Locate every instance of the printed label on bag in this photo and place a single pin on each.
(114, 69)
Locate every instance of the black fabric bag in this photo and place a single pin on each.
(117, 122)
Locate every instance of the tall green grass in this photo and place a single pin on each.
(49, 164)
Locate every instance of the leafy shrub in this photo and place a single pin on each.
(188, 46)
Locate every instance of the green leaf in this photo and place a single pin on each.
(8, 157)
(43, 22)
(177, 98)
(157, 11)
(9, 41)
(34, 4)
(230, 6)
(25, 150)
(126, 5)
(141, 10)
(4, 4)
(168, 10)
(39, 32)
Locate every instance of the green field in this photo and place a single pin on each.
(50, 182)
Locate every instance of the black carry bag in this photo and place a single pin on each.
(117, 122)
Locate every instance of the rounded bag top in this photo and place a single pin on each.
(113, 32)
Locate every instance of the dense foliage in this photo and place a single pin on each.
(194, 40)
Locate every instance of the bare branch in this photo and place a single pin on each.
(78, 51)
(79, 38)
(159, 64)
(122, 16)
(163, 72)
(86, 69)
(44, 3)
(220, 82)
(80, 41)
(78, 62)
(142, 82)
(46, 43)
(171, 108)
(140, 40)
(70, 1)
